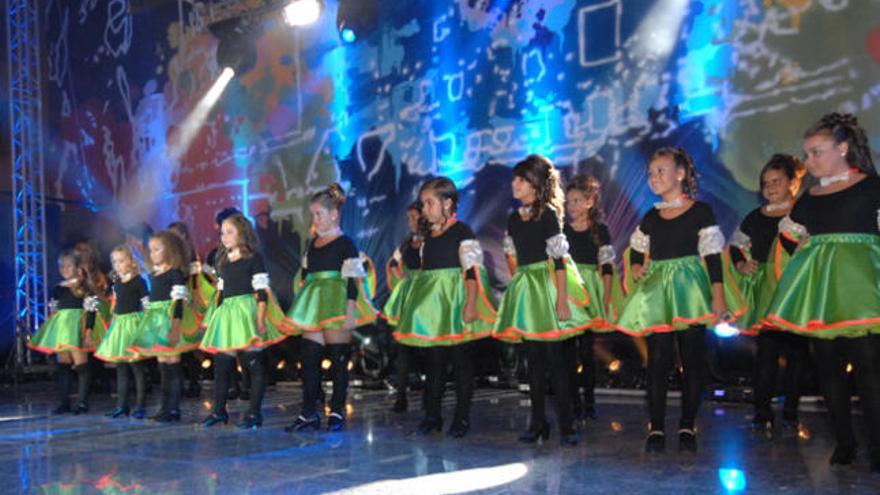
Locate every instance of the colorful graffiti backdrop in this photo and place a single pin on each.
(462, 88)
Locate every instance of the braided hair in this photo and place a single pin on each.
(682, 160)
(790, 165)
(540, 172)
(845, 128)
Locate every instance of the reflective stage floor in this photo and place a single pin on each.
(40, 453)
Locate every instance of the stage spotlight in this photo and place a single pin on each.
(302, 12)
(326, 364)
(733, 480)
(356, 19)
(206, 363)
(348, 35)
(281, 365)
(614, 366)
(725, 330)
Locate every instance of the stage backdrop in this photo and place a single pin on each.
(458, 88)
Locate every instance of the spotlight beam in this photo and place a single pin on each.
(196, 118)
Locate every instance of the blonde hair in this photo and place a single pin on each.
(125, 250)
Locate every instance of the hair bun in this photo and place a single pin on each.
(336, 193)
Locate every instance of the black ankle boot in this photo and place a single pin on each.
(537, 432)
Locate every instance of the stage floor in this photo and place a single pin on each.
(377, 454)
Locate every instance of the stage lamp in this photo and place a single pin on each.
(348, 35)
(302, 12)
(725, 330)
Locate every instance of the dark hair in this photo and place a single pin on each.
(544, 178)
(332, 197)
(414, 206)
(84, 285)
(590, 187)
(175, 249)
(180, 229)
(445, 189)
(225, 213)
(248, 237)
(88, 258)
(789, 165)
(682, 160)
(844, 128)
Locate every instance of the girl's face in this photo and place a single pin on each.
(323, 219)
(122, 264)
(66, 268)
(776, 186)
(578, 204)
(157, 251)
(523, 190)
(229, 235)
(412, 219)
(433, 207)
(664, 177)
(824, 157)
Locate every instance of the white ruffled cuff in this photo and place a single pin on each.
(195, 268)
(607, 255)
(711, 241)
(792, 228)
(219, 284)
(397, 256)
(179, 293)
(354, 268)
(145, 302)
(53, 305)
(741, 240)
(640, 241)
(557, 246)
(470, 253)
(210, 270)
(508, 245)
(90, 303)
(260, 281)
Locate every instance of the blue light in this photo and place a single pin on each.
(348, 35)
(733, 480)
(725, 330)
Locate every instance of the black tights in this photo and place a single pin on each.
(582, 347)
(772, 344)
(692, 351)
(832, 357)
(339, 355)
(556, 357)
(122, 371)
(437, 359)
(223, 368)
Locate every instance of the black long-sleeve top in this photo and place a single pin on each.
(410, 256)
(129, 295)
(583, 247)
(65, 298)
(161, 285)
(330, 257)
(679, 237)
(530, 237)
(442, 251)
(238, 276)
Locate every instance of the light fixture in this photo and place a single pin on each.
(302, 12)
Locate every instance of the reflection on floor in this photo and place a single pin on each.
(40, 453)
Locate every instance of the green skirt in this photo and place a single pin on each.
(528, 308)
(603, 316)
(674, 294)
(322, 302)
(121, 335)
(61, 332)
(155, 329)
(830, 288)
(431, 310)
(391, 278)
(394, 305)
(232, 325)
(202, 294)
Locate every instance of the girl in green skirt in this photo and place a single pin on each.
(447, 307)
(545, 303)
(675, 295)
(67, 333)
(169, 327)
(332, 302)
(830, 290)
(758, 257)
(243, 317)
(130, 297)
(591, 249)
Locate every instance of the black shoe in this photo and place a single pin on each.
(62, 409)
(215, 418)
(251, 422)
(169, 416)
(687, 441)
(534, 433)
(570, 439)
(656, 443)
(139, 413)
(335, 422)
(458, 429)
(843, 455)
(400, 405)
(81, 408)
(119, 411)
(303, 423)
(428, 426)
